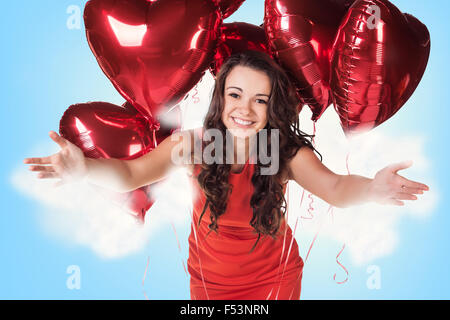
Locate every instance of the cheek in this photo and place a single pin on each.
(224, 112)
(263, 115)
(226, 109)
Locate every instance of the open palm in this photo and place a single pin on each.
(68, 165)
(388, 187)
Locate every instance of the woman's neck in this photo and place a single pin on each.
(242, 149)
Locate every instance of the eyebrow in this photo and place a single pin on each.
(259, 94)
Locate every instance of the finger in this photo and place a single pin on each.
(394, 202)
(405, 196)
(43, 160)
(411, 190)
(413, 184)
(47, 175)
(58, 139)
(400, 166)
(41, 168)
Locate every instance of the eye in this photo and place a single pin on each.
(234, 95)
(261, 101)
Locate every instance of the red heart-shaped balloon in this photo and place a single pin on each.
(238, 37)
(105, 130)
(379, 58)
(153, 52)
(301, 35)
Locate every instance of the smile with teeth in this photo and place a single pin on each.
(242, 122)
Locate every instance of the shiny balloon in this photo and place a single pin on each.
(301, 35)
(238, 37)
(378, 60)
(104, 130)
(153, 52)
(228, 7)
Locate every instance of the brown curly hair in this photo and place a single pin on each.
(268, 201)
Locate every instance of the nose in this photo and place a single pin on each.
(244, 107)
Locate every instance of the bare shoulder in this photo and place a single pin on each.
(304, 158)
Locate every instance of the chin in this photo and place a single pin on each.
(242, 133)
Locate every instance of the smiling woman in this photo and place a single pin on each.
(252, 96)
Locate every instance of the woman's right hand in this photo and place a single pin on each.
(68, 165)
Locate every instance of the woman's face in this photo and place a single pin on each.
(246, 95)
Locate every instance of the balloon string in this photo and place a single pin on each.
(315, 237)
(269, 294)
(309, 250)
(179, 247)
(301, 199)
(180, 119)
(310, 212)
(287, 258)
(337, 257)
(311, 209)
(346, 161)
(284, 242)
(143, 278)
(337, 261)
(155, 143)
(314, 133)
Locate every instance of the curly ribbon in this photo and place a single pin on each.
(311, 200)
(337, 261)
(309, 250)
(310, 208)
(337, 257)
(195, 97)
(310, 213)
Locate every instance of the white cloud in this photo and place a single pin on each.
(78, 214)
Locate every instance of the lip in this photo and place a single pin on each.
(241, 125)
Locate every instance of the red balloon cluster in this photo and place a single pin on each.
(364, 56)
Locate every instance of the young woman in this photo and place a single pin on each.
(252, 253)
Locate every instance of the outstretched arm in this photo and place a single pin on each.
(70, 164)
(343, 191)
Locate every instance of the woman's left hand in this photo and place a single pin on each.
(388, 187)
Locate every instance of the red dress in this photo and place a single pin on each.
(220, 265)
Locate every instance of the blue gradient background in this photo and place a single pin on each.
(46, 67)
